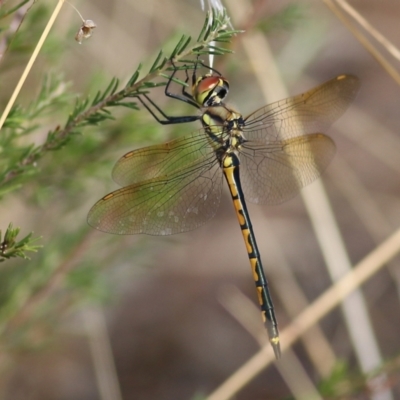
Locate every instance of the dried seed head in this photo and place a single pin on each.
(85, 30)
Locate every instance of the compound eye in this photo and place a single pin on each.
(222, 91)
(210, 90)
(207, 84)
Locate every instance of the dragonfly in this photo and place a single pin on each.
(265, 158)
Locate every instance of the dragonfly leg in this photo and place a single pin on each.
(185, 97)
(168, 119)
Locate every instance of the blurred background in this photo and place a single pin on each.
(98, 316)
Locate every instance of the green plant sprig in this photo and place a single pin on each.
(10, 247)
(19, 162)
(86, 112)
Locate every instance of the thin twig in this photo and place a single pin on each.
(390, 47)
(30, 63)
(102, 355)
(386, 65)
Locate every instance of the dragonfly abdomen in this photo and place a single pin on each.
(231, 165)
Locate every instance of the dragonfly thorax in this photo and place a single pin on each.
(224, 128)
(221, 116)
(210, 91)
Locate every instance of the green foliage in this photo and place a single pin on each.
(25, 38)
(19, 158)
(330, 387)
(18, 154)
(10, 247)
(199, 397)
(5, 12)
(49, 166)
(344, 383)
(87, 281)
(288, 18)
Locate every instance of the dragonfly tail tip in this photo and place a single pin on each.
(276, 347)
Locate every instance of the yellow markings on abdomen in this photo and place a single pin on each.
(253, 264)
(274, 340)
(246, 235)
(259, 295)
(235, 194)
(238, 208)
(264, 318)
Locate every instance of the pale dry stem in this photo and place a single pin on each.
(385, 64)
(30, 62)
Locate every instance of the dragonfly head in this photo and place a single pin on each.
(210, 91)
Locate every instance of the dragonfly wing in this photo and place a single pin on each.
(160, 160)
(275, 172)
(310, 112)
(179, 202)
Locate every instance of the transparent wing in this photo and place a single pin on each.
(274, 172)
(160, 160)
(283, 152)
(310, 112)
(176, 199)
